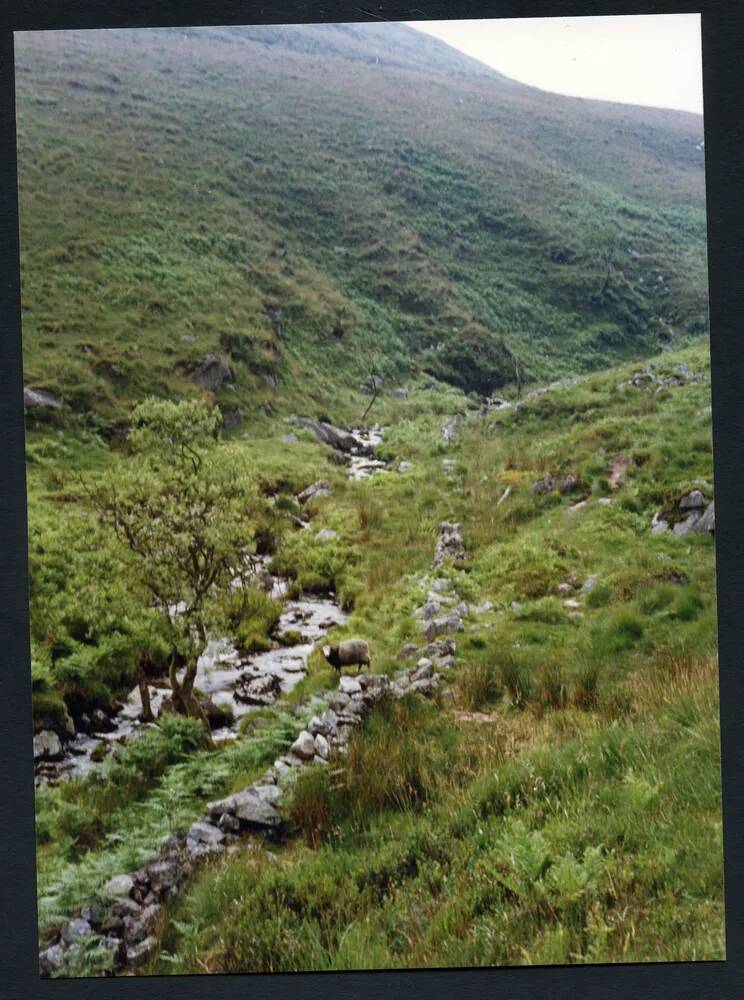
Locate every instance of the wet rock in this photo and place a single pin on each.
(321, 488)
(262, 690)
(100, 722)
(449, 544)
(47, 745)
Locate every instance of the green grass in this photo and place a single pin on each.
(560, 801)
(457, 247)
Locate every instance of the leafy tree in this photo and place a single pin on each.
(185, 510)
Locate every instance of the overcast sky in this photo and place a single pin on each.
(652, 59)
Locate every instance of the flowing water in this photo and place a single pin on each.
(223, 672)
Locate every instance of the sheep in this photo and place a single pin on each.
(347, 653)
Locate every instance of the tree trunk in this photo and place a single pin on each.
(184, 700)
(144, 691)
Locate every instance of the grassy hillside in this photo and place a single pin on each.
(319, 202)
(560, 804)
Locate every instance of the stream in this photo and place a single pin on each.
(238, 681)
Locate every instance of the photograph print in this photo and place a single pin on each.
(370, 496)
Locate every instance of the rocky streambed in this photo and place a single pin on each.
(235, 682)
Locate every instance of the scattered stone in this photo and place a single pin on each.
(692, 501)
(441, 586)
(261, 690)
(212, 373)
(405, 466)
(589, 584)
(322, 746)
(449, 427)
(304, 745)
(119, 887)
(604, 501)
(326, 535)
(449, 544)
(516, 606)
(564, 588)
(399, 393)
(708, 521)
(76, 929)
(203, 834)
(571, 603)
(140, 953)
(41, 399)
(441, 626)
(321, 488)
(407, 652)
(232, 418)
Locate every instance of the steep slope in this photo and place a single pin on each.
(323, 201)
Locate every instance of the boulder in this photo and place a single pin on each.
(47, 745)
(262, 690)
(544, 485)
(203, 834)
(322, 746)
(119, 887)
(256, 806)
(449, 427)
(76, 929)
(407, 652)
(304, 746)
(441, 626)
(232, 418)
(326, 535)
(708, 521)
(334, 437)
(51, 960)
(140, 953)
(212, 373)
(692, 501)
(689, 523)
(321, 488)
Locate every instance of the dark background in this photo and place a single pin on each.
(723, 63)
